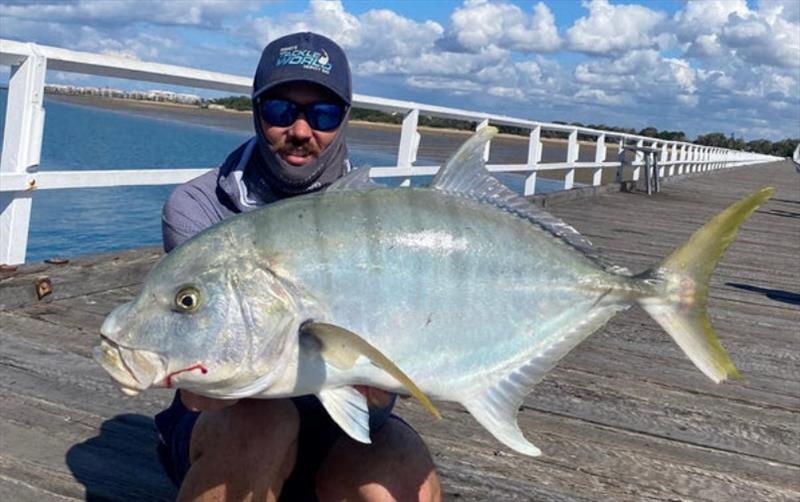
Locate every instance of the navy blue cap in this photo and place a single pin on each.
(307, 57)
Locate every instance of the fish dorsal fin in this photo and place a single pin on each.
(357, 179)
(465, 174)
(341, 348)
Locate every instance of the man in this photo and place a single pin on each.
(287, 449)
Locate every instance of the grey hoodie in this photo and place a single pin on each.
(237, 186)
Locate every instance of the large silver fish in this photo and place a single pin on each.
(460, 292)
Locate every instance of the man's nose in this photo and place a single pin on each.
(300, 129)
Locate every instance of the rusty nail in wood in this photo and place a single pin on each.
(7, 268)
(43, 287)
(57, 261)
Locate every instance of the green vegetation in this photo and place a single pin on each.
(782, 148)
(240, 103)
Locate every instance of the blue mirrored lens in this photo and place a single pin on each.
(279, 112)
(324, 116)
(320, 116)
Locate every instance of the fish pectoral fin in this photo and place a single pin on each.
(348, 408)
(341, 348)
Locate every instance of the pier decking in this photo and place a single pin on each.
(623, 417)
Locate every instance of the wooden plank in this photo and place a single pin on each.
(586, 460)
(84, 449)
(82, 275)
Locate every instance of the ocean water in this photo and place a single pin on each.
(72, 222)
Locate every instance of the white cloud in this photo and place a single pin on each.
(614, 28)
(209, 13)
(454, 85)
(728, 28)
(600, 97)
(759, 42)
(706, 16)
(378, 44)
(712, 64)
(786, 9)
(376, 41)
(479, 23)
(642, 77)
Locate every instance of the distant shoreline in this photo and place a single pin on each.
(234, 119)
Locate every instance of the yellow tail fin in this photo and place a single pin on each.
(682, 288)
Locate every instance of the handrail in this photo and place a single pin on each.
(25, 124)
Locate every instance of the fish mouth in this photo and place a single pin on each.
(133, 369)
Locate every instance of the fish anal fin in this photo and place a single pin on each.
(341, 348)
(495, 407)
(496, 410)
(348, 408)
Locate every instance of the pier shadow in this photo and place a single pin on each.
(778, 295)
(121, 462)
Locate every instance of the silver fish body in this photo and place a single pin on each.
(462, 292)
(453, 291)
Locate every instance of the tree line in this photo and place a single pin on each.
(782, 148)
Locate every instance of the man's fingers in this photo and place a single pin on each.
(376, 398)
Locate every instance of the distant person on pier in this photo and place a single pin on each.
(284, 449)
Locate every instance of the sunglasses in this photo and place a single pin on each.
(320, 116)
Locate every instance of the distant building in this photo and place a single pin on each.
(109, 92)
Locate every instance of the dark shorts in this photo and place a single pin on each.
(316, 437)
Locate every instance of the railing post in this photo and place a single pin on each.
(572, 156)
(534, 157)
(702, 154)
(638, 160)
(481, 125)
(621, 160)
(682, 165)
(409, 143)
(599, 156)
(663, 158)
(22, 146)
(673, 158)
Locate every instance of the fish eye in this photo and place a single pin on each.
(187, 299)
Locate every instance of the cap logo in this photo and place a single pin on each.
(307, 59)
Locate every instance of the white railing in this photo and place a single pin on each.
(24, 126)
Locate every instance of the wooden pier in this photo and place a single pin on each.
(624, 417)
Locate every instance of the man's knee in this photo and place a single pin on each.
(396, 466)
(246, 450)
(250, 425)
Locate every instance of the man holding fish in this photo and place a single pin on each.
(284, 449)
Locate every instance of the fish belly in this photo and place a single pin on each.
(452, 290)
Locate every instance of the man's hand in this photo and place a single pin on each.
(195, 402)
(376, 398)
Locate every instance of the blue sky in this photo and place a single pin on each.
(698, 66)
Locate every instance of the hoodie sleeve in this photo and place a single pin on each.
(190, 209)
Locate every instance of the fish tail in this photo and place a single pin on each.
(679, 288)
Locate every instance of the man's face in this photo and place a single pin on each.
(298, 143)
